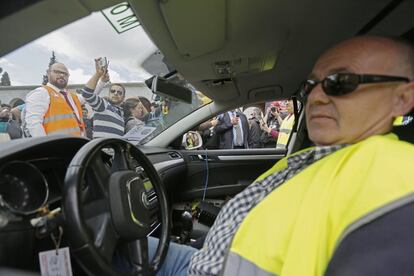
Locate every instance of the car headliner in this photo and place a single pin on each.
(234, 51)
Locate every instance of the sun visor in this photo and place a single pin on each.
(191, 27)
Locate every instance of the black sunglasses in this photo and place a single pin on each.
(344, 83)
(119, 92)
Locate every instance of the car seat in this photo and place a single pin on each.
(406, 132)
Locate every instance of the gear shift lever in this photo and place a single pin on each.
(187, 226)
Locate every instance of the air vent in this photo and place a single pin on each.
(174, 155)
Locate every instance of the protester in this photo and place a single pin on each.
(9, 126)
(152, 114)
(133, 109)
(271, 125)
(342, 207)
(233, 130)
(108, 118)
(155, 112)
(146, 103)
(254, 117)
(17, 112)
(52, 109)
(88, 122)
(208, 136)
(286, 127)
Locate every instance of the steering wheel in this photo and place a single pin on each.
(110, 208)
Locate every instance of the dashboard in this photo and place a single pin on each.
(32, 176)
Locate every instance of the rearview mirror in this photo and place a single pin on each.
(192, 140)
(169, 89)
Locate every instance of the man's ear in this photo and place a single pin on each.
(403, 99)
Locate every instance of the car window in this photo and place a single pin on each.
(115, 36)
(261, 125)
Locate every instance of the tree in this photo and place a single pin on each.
(5, 79)
(52, 61)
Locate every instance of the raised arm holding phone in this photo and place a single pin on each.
(108, 117)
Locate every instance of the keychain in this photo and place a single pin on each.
(56, 262)
(57, 240)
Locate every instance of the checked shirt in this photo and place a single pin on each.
(209, 260)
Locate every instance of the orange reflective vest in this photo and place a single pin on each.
(60, 118)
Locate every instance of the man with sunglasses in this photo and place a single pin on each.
(108, 118)
(342, 207)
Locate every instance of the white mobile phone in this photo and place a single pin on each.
(103, 62)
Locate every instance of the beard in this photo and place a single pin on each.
(60, 83)
(114, 102)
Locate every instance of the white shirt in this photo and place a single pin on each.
(232, 114)
(37, 104)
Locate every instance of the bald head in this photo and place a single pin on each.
(370, 108)
(392, 55)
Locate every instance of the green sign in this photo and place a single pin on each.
(121, 17)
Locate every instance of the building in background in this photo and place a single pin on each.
(12, 94)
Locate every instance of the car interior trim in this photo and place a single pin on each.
(250, 157)
(165, 164)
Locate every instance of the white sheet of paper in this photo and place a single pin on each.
(55, 265)
(139, 133)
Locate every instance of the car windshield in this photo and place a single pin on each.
(115, 37)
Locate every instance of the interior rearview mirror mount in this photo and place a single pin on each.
(167, 88)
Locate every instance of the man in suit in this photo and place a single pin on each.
(233, 130)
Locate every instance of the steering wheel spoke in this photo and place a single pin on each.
(105, 236)
(120, 160)
(138, 256)
(95, 209)
(97, 177)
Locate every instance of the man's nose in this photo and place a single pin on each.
(317, 95)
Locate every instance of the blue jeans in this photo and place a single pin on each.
(176, 262)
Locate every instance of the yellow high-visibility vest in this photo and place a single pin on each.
(295, 230)
(284, 131)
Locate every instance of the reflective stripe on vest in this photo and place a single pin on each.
(237, 265)
(296, 228)
(284, 131)
(66, 131)
(60, 117)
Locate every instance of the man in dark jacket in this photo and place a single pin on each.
(233, 130)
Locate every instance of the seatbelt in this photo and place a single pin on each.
(296, 112)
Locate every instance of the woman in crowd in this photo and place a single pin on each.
(146, 104)
(271, 124)
(133, 111)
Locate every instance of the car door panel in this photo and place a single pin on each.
(227, 171)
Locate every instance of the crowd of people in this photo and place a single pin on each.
(250, 128)
(55, 109)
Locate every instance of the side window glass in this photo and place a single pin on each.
(261, 125)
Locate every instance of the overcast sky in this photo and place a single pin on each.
(76, 45)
